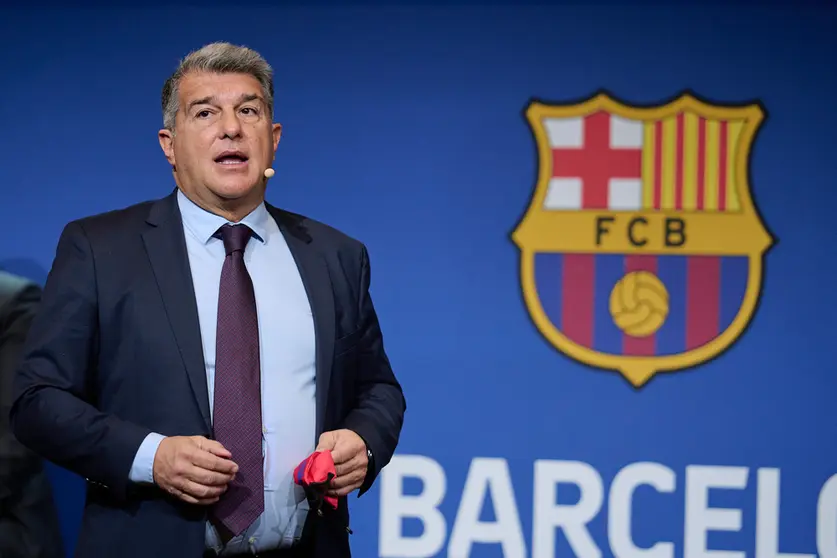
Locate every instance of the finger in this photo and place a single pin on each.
(326, 442)
(216, 448)
(197, 490)
(207, 477)
(341, 454)
(197, 501)
(354, 478)
(212, 446)
(179, 494)
(183, 496)
(200, 491)
(344, 453)
(211, 462)
(357, 462)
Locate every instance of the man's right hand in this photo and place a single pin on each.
(193, 468)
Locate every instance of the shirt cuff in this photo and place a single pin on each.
(142, 470)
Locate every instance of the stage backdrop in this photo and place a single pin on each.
(602, 242)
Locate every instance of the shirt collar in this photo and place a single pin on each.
(204, 224)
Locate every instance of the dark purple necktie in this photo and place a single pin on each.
(237, 413)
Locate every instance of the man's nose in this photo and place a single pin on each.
(230, 124)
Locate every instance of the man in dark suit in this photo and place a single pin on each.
(190, 351)
(29, 525)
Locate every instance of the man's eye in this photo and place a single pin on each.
(203, 114)
(250, 111)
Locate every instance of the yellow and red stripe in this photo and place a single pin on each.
(688, 163)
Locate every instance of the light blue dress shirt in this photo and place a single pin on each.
(288, 380)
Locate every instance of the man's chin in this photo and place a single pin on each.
(236, 191)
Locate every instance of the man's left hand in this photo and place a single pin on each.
(349, 454)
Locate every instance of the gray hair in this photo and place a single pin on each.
(221, 58)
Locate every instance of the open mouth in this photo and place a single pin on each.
(231, 158)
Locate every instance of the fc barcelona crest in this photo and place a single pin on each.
(641, 249)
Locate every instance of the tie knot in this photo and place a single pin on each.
(235, 237)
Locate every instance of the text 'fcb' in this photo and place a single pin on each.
(638, 231)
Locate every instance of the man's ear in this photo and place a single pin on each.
(166, 138)
(277, 134)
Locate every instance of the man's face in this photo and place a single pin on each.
(224, 138)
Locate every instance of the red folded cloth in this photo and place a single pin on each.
(315, 472)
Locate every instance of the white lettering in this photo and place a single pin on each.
(489, 483)
(827, 519)
(395, 506)
(571, 518)
(492, 476)
(767, 517)
(700, 518)
(620, 511)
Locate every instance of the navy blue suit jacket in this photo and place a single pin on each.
(115, 353)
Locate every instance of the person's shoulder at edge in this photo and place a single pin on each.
(12, 285)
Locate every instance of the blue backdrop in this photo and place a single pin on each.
(406, 128)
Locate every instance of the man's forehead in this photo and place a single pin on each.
(226, 87)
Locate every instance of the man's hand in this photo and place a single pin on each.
(193, 468)
(349, 454)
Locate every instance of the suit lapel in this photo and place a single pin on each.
(166, 247)
(315, 277)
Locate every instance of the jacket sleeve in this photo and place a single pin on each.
(54, 410)
(379, 413)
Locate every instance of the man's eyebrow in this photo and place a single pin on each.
(204, 101)
(211, 100)
(250, 97)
